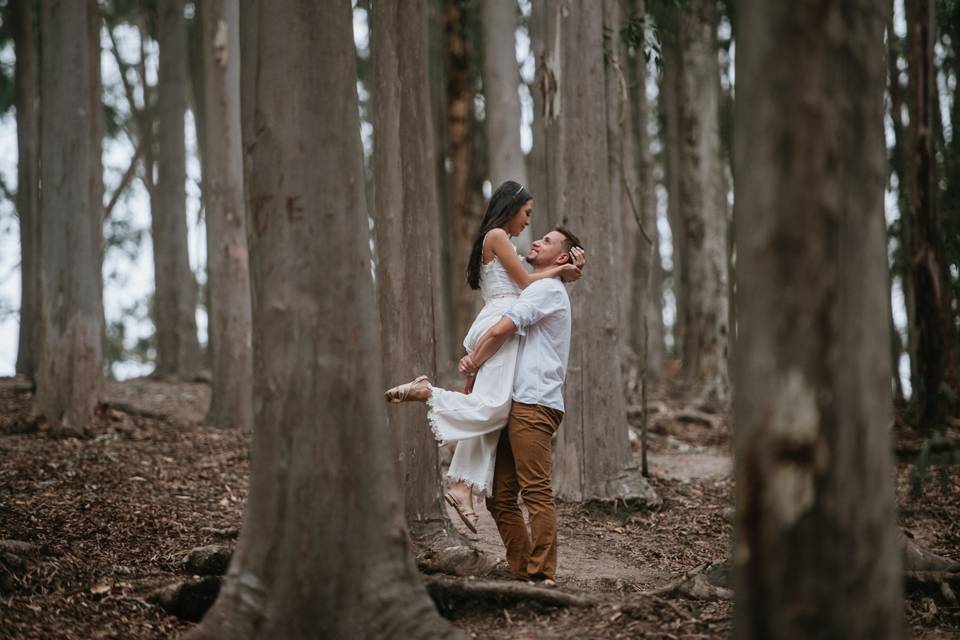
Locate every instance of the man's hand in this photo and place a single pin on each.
(467, 366)
(468, 384)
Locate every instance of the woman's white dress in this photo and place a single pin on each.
(474, 420)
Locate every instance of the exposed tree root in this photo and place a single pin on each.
(453, 594)
(705, 582)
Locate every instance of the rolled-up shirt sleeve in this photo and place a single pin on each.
(535, 303)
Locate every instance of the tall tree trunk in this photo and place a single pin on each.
(27, 103)
(175, 301)
(591, 448)
(227, 261)
(71, 210)
(537, 160)
(405, 214)
(932, 295)
(898, 168)
(815, 549)
(501, 80)
(449, 280)
(703, 207)
(323, 552)
(616, 119)
(642, 264)
(670, 139)
(459, 138)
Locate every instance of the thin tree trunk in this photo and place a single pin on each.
(405, 211)
(703, 207)
(323, 552)
(71, 210)
(227, 260)
(459, 138)
(670, 115)
(898, 168)
(501, 80)
(449, 280)
(175, 300)
(816, 551)
(929, 279)
(591, 448)
(537, 160)
(646, 303)
(27, 102)
(616, 116)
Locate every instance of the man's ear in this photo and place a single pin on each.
(563, 258)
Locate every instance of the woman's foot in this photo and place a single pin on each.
(416, 391)
(460, 498)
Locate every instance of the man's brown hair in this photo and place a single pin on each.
(569, 241)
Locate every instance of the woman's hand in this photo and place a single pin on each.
(579, 257)
(570, 273)
(467, 367)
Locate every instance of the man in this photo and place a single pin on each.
(541, 316)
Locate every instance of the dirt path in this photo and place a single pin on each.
(110, 516)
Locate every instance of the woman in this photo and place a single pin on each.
(474, 418)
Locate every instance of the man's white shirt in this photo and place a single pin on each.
(542, 317)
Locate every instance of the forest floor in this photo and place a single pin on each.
(109, 518)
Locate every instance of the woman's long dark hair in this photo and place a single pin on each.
(505, 203)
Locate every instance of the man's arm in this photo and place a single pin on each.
(487, 345)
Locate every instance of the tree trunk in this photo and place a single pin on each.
(932, 295)
(898, 169)
(227, 260)
(175, 300)
(405, 214)
(448, 280)
(615, 98)
(670, 115)
(703, 207)
(501, 80)
(460, 96)
(537, 159)
(323, 552)
(816, 550)
(71, 210)
(27, 102)
(591, 447)
(643, 270)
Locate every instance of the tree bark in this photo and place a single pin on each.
(175, 300)
(929, 278)
(815, 551)
(460, 119)
(27, 104)
(405, 210)
(501, 80)
(323, 551)
(703, 207)
(71, 210)
(227, 260)
(591, 447)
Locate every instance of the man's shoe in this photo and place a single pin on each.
(547, 583)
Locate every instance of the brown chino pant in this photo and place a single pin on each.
(523, 467)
